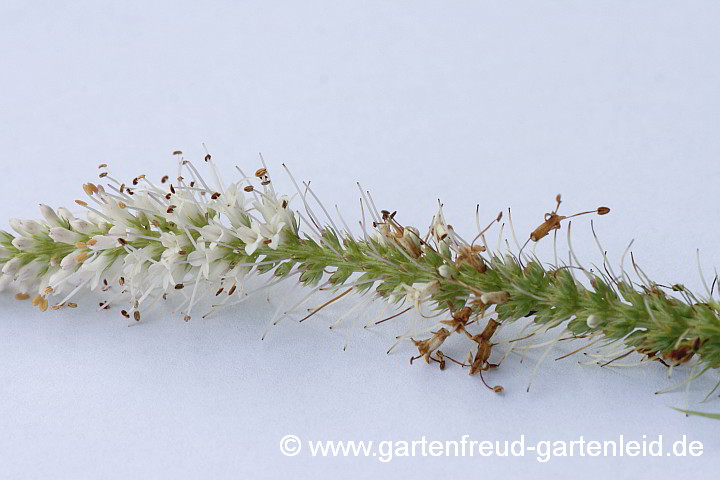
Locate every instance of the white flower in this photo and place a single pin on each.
(415, 294)
(51, 217)
(5, 281)
(83, 226)
(138, 261)
(232, 204)
(96, 268)
(204, 256)
(275, 209)
(252, 237)
(216, 233)
(70, 260)
(57, 279)
(23, 243)
(63, 235)
(26, 228)
(167, 272)
(103, 242)
(65, 214)
(29, 271)
(12, 266)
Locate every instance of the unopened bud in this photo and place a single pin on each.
(494, 298)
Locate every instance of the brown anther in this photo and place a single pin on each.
(215, 195)
(90, 188)
(80, 245)
(187, 318)
(121, 205)
(179, 286)
(249, 188)
(103, 174)
(122, 241)
(37, 300)
(92, 242)
(136, 316)
(102, 165)
(192, 184)
(121, 281)
(48, 290)
(122, 188)
(261, 172)
(265, 182)
(284, 204)
(603, 211)
(164, 179)
(182, 252)
(22, 296)
(167, 197)
(177, 152)
(232, 290)
(172, 189)
(72, 305)
(124, 313)
(81, 203)
(208, 157)
(171, 209)
(220, 291)
(44, 305)
(82, 256)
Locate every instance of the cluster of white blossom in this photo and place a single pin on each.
(144, 240)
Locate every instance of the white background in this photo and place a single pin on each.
(498, 103)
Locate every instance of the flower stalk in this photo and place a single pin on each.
(141, 243)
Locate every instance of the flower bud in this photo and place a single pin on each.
(23, 243)
(63, 235)
(593, 321)
(494, 298)
(12, 266)
(445, 271)
(83, 226)
(50, 216)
